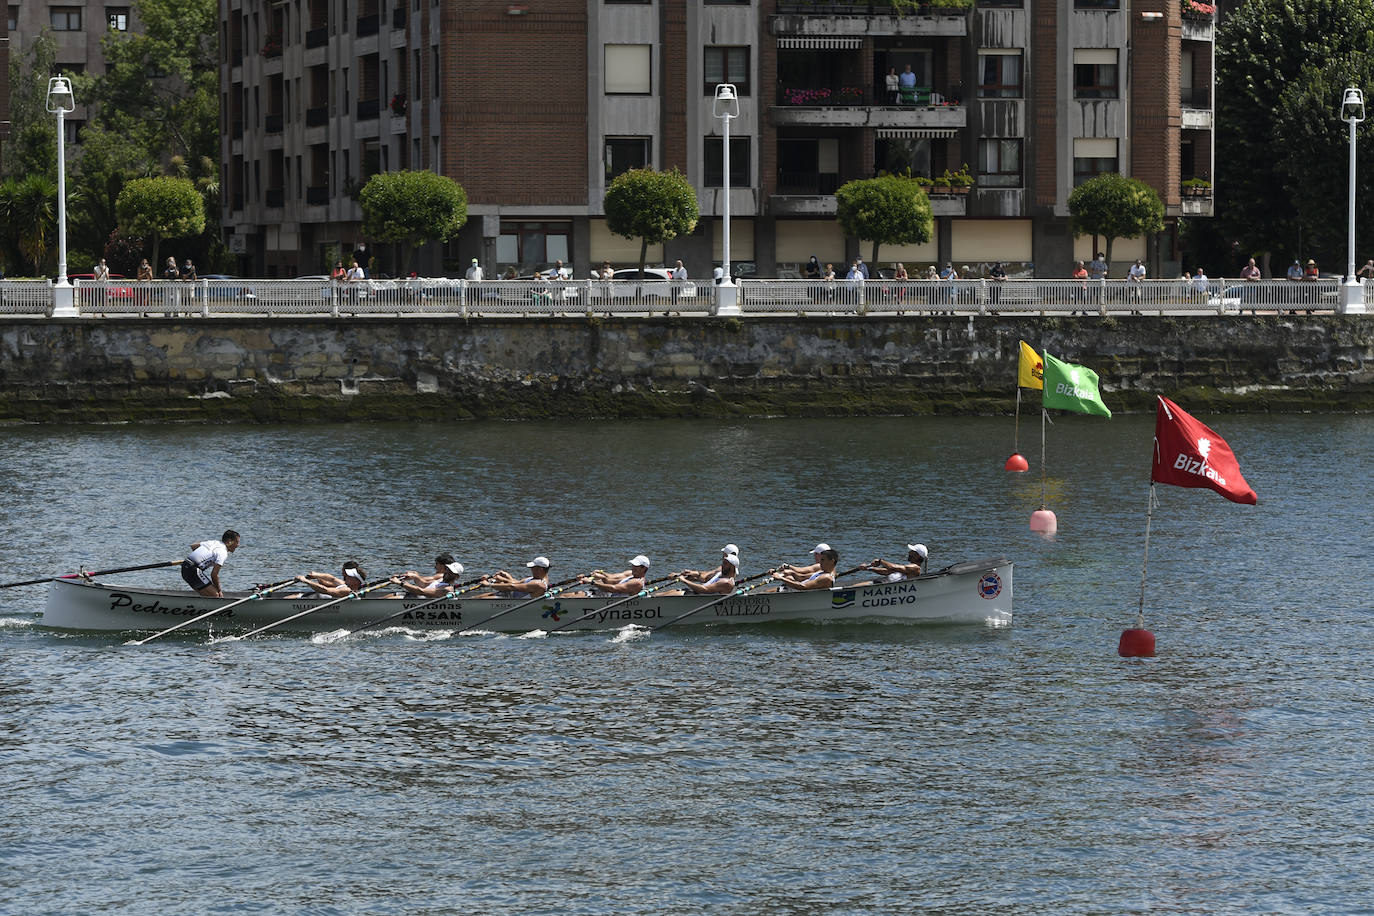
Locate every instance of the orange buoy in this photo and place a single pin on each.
(1043, 521)
(1136, 643)
(1017, 462)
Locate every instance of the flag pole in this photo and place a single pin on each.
(1016, 435)
(1042, 519)
(1138, 642)
(1145, 563)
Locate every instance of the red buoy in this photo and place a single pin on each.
(1043, 521)
(1136, 643)
(1017, 462)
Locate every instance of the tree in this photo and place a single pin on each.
(1116, 207)
(28, 212)
(1281, 69)
(159, 208)
(651, 206)
(32, 146)
(889, 209)
(412, 208)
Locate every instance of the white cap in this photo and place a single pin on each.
(822, 547)
(640, 560)
(733, 560)
(352, 571)
(539, 561)
(729, 548)
(474, 260)
(919, 548)
(455, 568)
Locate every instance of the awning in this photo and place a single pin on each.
(837, 44)
(915, 133)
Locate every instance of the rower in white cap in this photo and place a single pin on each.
(507, 586)
(621, 583)
(823, 577)
(916, 555)
(324, 583)
(702, 575)
(446, 574)
(809, 568)
(720, 582)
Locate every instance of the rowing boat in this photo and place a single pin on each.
(977, 591)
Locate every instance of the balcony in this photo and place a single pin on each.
(948, 202)
(1195, 96)
(317, 116)
(852, 106)
(317, 196)
(1196, 103)
(274, 197)
(1198, 28)
(367, 25)
(272, 123)
(317, 38)
(797, 18)
(368, 109)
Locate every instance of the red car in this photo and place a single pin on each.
(115, 290)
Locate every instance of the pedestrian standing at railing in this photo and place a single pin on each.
(1295, 270)
(999, 277)
(1250, 271)
(1200, 283)
(145, 271)
(1097, 268)
(171, 296)
(101, 271)
(1136, 275)
(1367, 271)
(1080, 290)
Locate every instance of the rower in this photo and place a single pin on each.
(322, 583)
(821, 578)
(703, 574)
(534, 585)
(721, 582)
(810, 568)
(446, 573)
(916, 555)
(200, 569)
(629, 582)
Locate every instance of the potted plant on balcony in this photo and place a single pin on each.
(398, 104)
(1196, 9)
(940, 186)
(272, 47)
(1197, 187)
(959, 182)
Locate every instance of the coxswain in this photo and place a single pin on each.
(200, 569)
(505, 585)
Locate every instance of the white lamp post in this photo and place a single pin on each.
(726, 107)
(60, 102)
(1352, 293)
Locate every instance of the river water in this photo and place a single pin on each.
(772, 769)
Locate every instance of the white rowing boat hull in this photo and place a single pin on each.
(978, 592)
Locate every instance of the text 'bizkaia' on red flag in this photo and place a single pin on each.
(1188, 454)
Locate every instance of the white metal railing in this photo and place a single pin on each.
(441, 296)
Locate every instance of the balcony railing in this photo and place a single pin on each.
(274, 197)
(317, 116)
(272, 123)
(808, 183)
(317, 195)
(367, 109)
(367, 25)
(1196, 97)
(317, 38)
(860, 97)
(878, 8)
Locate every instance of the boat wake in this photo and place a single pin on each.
(630, 633)
(16, 622)
(534, 634)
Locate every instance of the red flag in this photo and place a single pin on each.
(1188, 454)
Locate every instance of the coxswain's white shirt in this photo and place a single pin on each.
(209, 555)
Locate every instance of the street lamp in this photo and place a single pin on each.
(726, 107)
(1352, 294)
(61, 102)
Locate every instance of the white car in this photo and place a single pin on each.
(654, 281)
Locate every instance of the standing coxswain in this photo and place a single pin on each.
(200, 569)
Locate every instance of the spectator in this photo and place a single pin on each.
(999, 277)
(145, 270)
(899, 275)
(1136, 276)
(473, 275)
(1097, 268)
(892, 83)
(907, 86)
(863, 268)
(101, 272)
(1250, 271)
(679, 280)
(950, 275)
(1295, 270)
(1080, 290)
(1200, 283)
(1311, 272)
(1367, 271)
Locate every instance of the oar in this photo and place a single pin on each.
(472, 583)
(606, 607)
(359, 593)
(257, 593)
(98, 572)
(740, 591)
(549, 593)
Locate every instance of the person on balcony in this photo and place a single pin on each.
(907, 84)
(893, 85)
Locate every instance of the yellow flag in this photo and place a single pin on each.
(1032, 372)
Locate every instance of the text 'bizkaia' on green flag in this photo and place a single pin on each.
(1071, 387)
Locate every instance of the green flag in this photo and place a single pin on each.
(1071, 387)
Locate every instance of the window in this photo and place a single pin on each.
(625, 153)
(65, 18)
(435, 62)
(726, 65)
(1095, 73)
(1093, 157)
(728, 2)
(628, 69)
(13, 23)
(1097, 4)
(118, 17)
(740, 166)
(999, 75)
(533, 245)
(999, 161)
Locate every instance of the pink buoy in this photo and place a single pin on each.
(1136, 643)
(1043, 520)
(1017, 462)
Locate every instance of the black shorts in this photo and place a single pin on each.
(193, 575)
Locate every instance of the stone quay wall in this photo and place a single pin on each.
(321, 369)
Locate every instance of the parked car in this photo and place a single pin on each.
(224, 290)
(654, 281)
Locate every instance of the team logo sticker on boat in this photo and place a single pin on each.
(990, 586)
(842, 599)
(553, 610)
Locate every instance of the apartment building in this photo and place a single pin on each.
(534, 105)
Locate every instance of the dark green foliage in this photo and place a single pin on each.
(889, 210)
(412, 208)
(1115, 207)
(651, 206)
